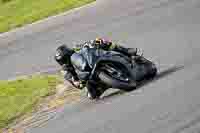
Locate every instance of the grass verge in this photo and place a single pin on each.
(20, 96)
(16, 13)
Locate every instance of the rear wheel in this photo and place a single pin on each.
(152, 71)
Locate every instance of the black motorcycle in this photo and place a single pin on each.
(110, 69)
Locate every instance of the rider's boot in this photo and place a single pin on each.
(132, 51)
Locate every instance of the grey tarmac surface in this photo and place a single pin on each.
(167, 30)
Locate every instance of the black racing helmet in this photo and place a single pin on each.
(63, 54)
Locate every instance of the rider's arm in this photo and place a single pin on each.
(71, 76)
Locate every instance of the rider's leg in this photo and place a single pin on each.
(132, 51)
(126, 51)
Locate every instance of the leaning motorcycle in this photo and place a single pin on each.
(110, 69)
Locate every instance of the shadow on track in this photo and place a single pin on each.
(160, 75)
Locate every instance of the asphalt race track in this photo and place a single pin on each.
(168, 32)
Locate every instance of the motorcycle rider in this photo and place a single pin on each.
(64, 56)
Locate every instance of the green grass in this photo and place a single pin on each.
(16, 13)
(20, 96)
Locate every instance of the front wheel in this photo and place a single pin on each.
(111, 81)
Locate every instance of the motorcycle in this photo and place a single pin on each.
(110, 69)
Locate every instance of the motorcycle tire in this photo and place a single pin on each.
(115, 83)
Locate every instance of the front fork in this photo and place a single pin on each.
(94, 89)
